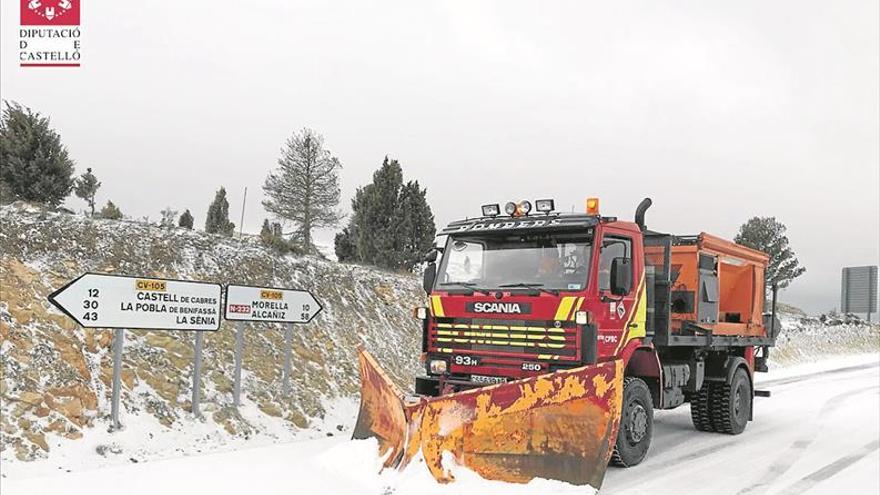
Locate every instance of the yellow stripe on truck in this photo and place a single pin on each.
(564, 308)
(437, 306)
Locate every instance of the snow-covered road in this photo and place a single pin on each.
(818, 433)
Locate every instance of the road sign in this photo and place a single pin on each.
(110, 301)
(245, 303)
(858, 289)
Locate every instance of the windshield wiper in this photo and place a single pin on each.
(468, 285)
(539, 287)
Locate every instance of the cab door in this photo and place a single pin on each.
(619, 317)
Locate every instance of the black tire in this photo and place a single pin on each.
(731, 403)
(636, 424)
(701, 414)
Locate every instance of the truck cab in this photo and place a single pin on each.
(522, 295)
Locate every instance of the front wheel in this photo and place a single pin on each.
(636, 424)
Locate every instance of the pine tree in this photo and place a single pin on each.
(304, 190)
(217, 220)
(186, 220)
(271, 236)
(266, 231)
(391, 224)
(376, 211)
(768, 235)
(345, 245)
(85, 187)
(416, 229)
(110, 211)
(34, 165)
(168, 218)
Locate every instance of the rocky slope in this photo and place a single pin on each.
(55, 375)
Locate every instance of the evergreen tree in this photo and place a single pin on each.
(217, 220)
(266, 231)
(271, 236)
(85, 187)
(186, 220)
(415, 232)
(34, 165)
(768, 235)
(376, 207)
(168, 217)
(110, 211)
(391, 224)
(345, 244)
(304, 190)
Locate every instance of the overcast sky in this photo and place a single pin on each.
(717, 110)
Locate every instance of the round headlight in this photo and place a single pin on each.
(525, 207)
(437, 366)
(510, 208)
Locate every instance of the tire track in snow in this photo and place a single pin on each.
(796, 450)
(818, 374)
(829, 470)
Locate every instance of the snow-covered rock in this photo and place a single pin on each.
(55, 375)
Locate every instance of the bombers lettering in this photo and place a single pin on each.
(514, 224)
(499, 307)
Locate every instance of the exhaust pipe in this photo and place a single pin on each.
(640, 213)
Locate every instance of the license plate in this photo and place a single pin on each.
(488, 379)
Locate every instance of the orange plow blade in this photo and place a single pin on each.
(561, 425)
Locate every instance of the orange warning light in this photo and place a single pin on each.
(592, 206)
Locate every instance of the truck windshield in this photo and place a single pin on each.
(546, 261)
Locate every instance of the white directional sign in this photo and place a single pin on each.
(270, 304)
(110, 301)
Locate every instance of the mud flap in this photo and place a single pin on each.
(560, 426)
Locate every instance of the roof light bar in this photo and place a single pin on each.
(544, 205)
(492, 210)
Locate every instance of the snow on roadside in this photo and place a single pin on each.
(322, 465)
(144, 439)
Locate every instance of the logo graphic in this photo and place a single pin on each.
(621, 310)
(50, 12)
(50, 34)
(496, 307)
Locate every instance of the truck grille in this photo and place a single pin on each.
(515, 338)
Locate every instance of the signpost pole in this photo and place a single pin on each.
(285, 371)
(118, 339)
(197, 374)
(239, 348)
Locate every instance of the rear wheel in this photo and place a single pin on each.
(701, 414)
(636, 424)
(732, 403)
(723, 407)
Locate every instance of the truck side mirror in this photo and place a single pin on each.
(621, 276)
(430, 256)
(428, 276)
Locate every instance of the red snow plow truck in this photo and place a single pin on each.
(549, 339)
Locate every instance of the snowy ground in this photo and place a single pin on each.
(818, 433)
